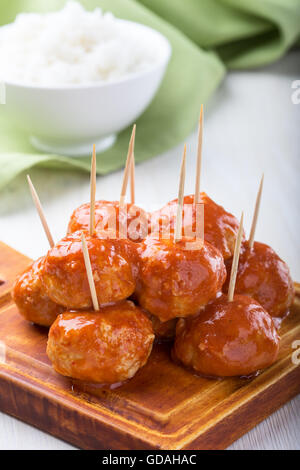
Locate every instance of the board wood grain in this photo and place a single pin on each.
(162, 407)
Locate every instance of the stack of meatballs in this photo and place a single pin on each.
(151, 286)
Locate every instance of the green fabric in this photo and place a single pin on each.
(207, 36)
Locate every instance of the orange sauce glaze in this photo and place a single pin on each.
(175, 281)
(220, 227)
(265, 277)
(113, 264)
(131, 221)
(163, 331)
(31, 299)
(105, 347)
(226, 339)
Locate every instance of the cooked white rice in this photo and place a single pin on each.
(72, 46)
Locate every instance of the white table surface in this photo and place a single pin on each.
(251, 126)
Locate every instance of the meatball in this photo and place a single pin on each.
(177, 279)
(64, 274)
(265, 277)
(31, 298)
(220, 227)
(105, 347)
(227, 338)
(131, 221)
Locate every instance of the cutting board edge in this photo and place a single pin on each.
(212, 437)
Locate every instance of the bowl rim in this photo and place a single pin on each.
(163, 62)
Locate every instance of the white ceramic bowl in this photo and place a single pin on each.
(68, 120)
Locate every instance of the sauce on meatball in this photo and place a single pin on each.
(265, 277)
(128, 221)
(176, 281)
(227, 339)
(220, 227)
(106, 347)
(64, 274)
(164, 331)
(31, 298)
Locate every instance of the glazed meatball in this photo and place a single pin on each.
(175, 280)
(265, 277)
(106, 347)
(220, 227)
(31, 298)
(64, 275)
(227, 338)
(131, 221)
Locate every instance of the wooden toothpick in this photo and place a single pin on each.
(40, 211)
(89, 272)
(178, 227)
(199, 157)
(132, 179)
(93, 192)
(256, 211)
(235, 261)
(127, 166)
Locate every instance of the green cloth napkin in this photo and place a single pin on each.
(207, 36)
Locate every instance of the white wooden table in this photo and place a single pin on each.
(251, 126)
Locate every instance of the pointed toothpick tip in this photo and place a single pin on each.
(201, 113)
(40, 211)
(256, 213)
(132, 137)
(127, 169)
(199, 157)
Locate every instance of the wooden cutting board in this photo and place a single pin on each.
(162, 407)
